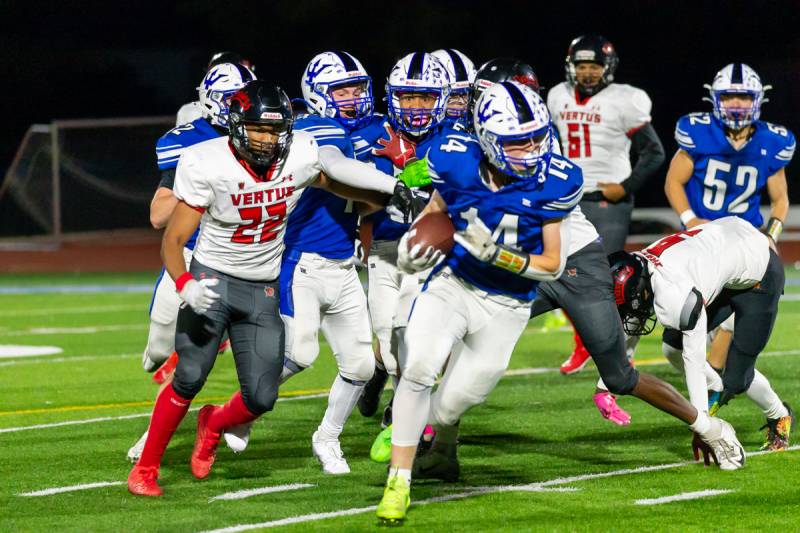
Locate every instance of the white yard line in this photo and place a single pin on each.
(75, 331)
(68, 359)
(71, 310)
(242, 494)
(469, 492)
(71, 488)
(683, 496)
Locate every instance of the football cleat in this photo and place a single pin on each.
(237, 437)
(381, 450)
(555, 321)
(713, 402)
(440, 462)
(723, 447)
(166, 370)
(607, 405)
(778, 431)
(329, 453)
(205, 444)
(580, 356)
(371, 397)
(135, 451)
(142, 481)
(395, 502)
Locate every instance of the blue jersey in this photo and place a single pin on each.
(515, 213)
(172, 144)
(322, 222)
(378, 143)
(727, 181)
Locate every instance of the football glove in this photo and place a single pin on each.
(416, 259)
(415, 174)
(478, 241)
(198, 295)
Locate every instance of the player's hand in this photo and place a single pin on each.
(696, 221)
(613, 192)
(415, 174)
(198, 295)
(699, 447)
(401, 203)
(477, 240)
(416, 259)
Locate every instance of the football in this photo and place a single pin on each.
(433, 229)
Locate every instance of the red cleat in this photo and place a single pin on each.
(580, 356)
(142, 481)
(205, 445)
(165, 371)
(224, 346)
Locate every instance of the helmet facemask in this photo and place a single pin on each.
(737, 117)
(420, 119)
(350, 112)
(521, 156)
(258, 151)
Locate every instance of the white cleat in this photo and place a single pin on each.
(136, 450)
(329, 453)
(237, 437)
(728, 451)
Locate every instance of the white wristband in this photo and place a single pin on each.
(687, 216)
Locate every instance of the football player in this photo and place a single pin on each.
(694, 280)
(219, 84)
(461, 71)
(417, 93)
(726, 159)
(243, 187)
(599, 121)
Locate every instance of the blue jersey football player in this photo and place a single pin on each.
(218, 85)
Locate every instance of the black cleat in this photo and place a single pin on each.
(386, 421)
(440, 462)
(371, 397)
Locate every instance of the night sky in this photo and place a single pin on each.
(105, 59)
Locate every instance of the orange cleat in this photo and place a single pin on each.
(142, 481)
(580, 356)
(205, 445)
(165, 371)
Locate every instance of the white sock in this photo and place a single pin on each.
(702, 424)
(410, 410)
(713, 380)
(630, 345)
(761, 393)
(341, 401)
(290, 368)
(601, 385)
(404, 473)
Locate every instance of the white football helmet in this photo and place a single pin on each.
(737, 78)
(218, 86)
(418, 72)
(462, 75)
(329, 70)
(509, 111)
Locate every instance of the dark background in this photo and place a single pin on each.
(96, 58)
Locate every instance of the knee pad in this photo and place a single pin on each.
(418, 371)
(673, 338)
(189, 379)
(305, 346)
(447, 409)
(357, 368)
(622, 382)
(160, 343)
(262, 399)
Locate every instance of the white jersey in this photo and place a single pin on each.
(581, 231)
(244, 219)
(726, 253)
(595, 133)
(189, 113)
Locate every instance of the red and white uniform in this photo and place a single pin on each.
(595, 132)
(244, 216)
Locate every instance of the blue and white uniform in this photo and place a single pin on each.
(165, 301)
(320, 288)
(727, 181)
(473, 310)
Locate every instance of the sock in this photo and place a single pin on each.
(601, 386)
(290, 368)
(410, 410)
(446, 434)
(763, 396)
(342, 399)
(404, 473)
(713, 380)
(233, 413)
(167, 415)
(702, 424)
(631, 342)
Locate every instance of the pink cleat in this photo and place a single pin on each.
(607, 405)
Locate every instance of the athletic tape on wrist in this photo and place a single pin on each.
(511, 260)
(687, 216)
(774, 228)
(182, 280)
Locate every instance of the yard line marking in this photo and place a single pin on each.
(75, 331)
(71, 310)
(9, 351)
(75, 289)
(470, 492)
(68, 359)
(242, 494)
(71, 488)
(137, 415)
(683, 496)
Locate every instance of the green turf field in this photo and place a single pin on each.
(536, 456)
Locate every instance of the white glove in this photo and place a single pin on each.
(416, 259)
(198, 295)
(477, 240)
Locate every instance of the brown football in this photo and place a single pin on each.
(434, 229)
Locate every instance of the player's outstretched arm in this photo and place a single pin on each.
(161, 207)
(678, 175)
(183, 223)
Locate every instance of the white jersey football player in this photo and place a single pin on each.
(243, 187)
(692, 281)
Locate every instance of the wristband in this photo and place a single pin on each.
(687, 216)
(511, 260)
(774, 229)
(182, 280)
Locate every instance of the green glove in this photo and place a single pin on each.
(416, 174)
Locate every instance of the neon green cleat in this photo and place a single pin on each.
(396, 500)
(555, 321)
(381, 450)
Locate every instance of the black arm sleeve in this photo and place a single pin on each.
(649, 157)
(167, 178)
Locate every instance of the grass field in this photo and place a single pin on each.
(536, 456)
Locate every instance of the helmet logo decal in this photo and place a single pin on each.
(243, 100)
(314, 70)
(484, 113)
(211, 79)
(620, 279)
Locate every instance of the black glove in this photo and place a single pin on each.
(401, 204)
